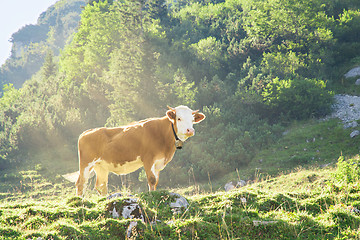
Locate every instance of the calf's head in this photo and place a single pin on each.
(183, 119)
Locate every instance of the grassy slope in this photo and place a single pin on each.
(303, 204)
(306, 203)
(310, 143)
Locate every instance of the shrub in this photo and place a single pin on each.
(347, 172)
(298, 98)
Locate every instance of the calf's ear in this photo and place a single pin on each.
(198, 117)
(171, 114)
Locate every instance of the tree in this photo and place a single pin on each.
(158, 10)
(49, 67)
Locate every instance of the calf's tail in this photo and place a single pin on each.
(72, 177)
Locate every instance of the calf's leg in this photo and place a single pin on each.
(85, 168)
(101, 184)
(152, 175)
(80, 184)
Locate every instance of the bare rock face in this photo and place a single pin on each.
(346, 108)
(353, 72)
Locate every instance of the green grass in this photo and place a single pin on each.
(303, 204)
(292, 195)
(310, 143)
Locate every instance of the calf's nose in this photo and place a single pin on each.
(190, 131)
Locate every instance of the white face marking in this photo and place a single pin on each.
(184, 122)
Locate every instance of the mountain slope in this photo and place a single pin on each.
(31, 43)
(305, 204)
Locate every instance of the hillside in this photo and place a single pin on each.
(264, 73)
(33, 42)
(251, 76)
(304, 204)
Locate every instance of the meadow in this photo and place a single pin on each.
(262, 71)
(316, 201)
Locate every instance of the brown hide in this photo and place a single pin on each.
(149, 143)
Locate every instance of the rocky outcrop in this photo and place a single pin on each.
(353, 72)
(128, 207)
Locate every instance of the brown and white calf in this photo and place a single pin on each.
(150, 143)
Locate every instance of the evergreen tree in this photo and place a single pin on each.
(49, 67)
(158, 10)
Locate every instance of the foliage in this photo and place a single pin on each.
(347, 171)
(298, 98)
(32, 42)
(250, 66)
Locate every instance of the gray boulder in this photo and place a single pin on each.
(354, 133)
(232, 185)
(353, 72)
(180, 203)
(127, 208)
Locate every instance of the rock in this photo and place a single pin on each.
(325, 165)
(154, 222)
(354, 133)
(240, 183)
(114, 213)
(126, 208)
(170, 222)
(357, 83)
(352, 124)
(232, 185)
(355, 210)
(229, 186)
(131, 230)
(180, 204)
(258, 223)
(115, 195)
(346, 108)
(353, 72)
(285, 132)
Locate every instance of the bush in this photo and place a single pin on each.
(298, 98)
(347, 172)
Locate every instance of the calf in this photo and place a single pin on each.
(150, 143)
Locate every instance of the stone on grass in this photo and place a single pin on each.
(354, 133)
(235, 184)
(258, 223)
(127, 208)
(180, 203)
